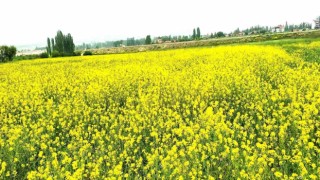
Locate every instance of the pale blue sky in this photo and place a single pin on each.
(32, 21)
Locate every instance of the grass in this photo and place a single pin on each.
(306, 48)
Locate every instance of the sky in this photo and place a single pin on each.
(27, 22)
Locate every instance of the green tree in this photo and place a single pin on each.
(59, 40)
(62, 45)
(52, 45)
(48, 47)
(69, 46)
(148, 39)
(194, 35)
(220, 34)
(7, 53)
(12, 52)
(130, 41)
(118, 43)
(198, 33)
(286, 27)
(237, 31)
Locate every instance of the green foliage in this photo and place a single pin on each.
(148, 39)
(257, 30)
(194, 35)
(55, 53)
(87, 53)
(198, 33)
(32, 56)
(183, 38)
(52, 45)
(130, 41)
(7, 53)
(237, 31)
(27, 57)
(59, 40)
(286, 27)
(118, 43)
(263, 31)
(49, 47)
(77, 53)
(69, 46)
(62, 45)
(220, 34)
(44, 55)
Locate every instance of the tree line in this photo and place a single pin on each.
(60, 45)
(63, 45)
(196, 35)
(268, 29)
(301, 26)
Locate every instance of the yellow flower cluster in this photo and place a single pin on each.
(248, 112)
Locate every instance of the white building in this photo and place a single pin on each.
(279, 28)
(317, 23)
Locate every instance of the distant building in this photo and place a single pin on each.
(158, 40)
(29, 52)
(205, 36)
(279, 28)
(239, 34)
(317, 23)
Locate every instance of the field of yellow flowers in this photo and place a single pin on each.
(248, 112)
